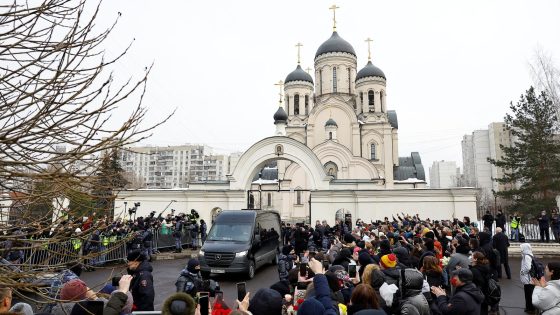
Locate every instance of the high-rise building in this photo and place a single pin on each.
(175, 166)
(443, 174)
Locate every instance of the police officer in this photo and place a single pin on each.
(178, 233)
(190, 280)
(142, 285)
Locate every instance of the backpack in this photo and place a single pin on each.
(537, 268)
(494, 294)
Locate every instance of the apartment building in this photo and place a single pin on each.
(443, 174)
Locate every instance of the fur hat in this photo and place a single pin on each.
(388, 261)
(74, 290)
(178, 304)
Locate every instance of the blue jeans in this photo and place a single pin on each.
(515, 234)
(178, 243)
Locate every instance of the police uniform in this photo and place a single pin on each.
(142, 285)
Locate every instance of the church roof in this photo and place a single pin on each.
(392, 116)
(331, 122)
(409, 167)
(280, 115)
(299, 75)
(335, 44)
(370, 71)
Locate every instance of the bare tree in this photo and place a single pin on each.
(546, 76)
(57, 91)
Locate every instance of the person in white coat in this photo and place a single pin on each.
(525, 277)
(546, 296)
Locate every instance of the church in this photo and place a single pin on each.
(333, 155)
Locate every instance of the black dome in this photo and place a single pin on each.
(299, 75)
(331, 122)
(370, 71)
(335, 44)
(280, 115)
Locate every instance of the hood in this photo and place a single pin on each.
(402, 254)
(186, 272)
(178, 303)
(394, 273)
(473, 291)
(145, 266)
(484, 238)
(224, 246)
(526, 249)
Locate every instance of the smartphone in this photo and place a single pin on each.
(203, 293)
(241, 291)
(352, 271)
(326, 264)
(203, 302)
(303, 269)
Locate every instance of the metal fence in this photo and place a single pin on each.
(531, 231)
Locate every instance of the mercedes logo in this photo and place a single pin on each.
(218, 256)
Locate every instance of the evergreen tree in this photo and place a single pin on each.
(532, 164)
(110, 178)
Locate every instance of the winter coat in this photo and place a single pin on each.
(526, 262)
(66, 308)
(481, 276)
(547, 299)
(501, 220)
(115, 304)
(188, 282)
(544, 222)
(466, 301)
(501, 243)
(371, 312)
(413, 301)
(322, 294)
(284, 266)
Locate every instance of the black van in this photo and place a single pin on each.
(241, 241)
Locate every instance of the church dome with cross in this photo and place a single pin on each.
(335, 44)
(298, 75)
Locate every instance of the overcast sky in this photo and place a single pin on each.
(451, 66)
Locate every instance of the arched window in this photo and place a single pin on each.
(269, 200)
(349, 82)
(334, 80)
(381, 100)
(296, 104)
(330, 135)
(373, 151)
(371, 100)
(298, 197)
(361, 98)
(288, 104)
(306, 104)
(321, 81)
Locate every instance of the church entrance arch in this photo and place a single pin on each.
(278, 148)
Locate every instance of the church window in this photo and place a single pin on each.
(355, 105)
(349, 82)
(288, 104)
(269, 199)
(381, 100)
(361, 98)
(371, 101)
(296, 104)
(330, 135)
(334, 80)
(306, 103)
(298, 197)
(373, 152)
(321, 81)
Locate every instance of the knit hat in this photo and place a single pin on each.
(311, 307)
(191, 265)
(429, 243)
(22, 308)
(388, 261)
(348, 238)
(364, 258)
(385, 245)
(135, 255)
(424, 231)
(266, 301)
(178, 304)
(73, 290)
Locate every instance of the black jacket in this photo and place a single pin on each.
(466, 301)
(488, 220)
(115, 304)
(142, 287)
(501, 220)
(501, 243)
(481, 275)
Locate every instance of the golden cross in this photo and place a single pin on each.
(368, 41)
(298, 45)
(333, 8)
(308, 69)
(280, 85)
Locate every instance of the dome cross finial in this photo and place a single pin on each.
(333, 8)
(298, 45)
(308, 69)
(368, 41)
(280, 85)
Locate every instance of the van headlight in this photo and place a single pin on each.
(241, 254)
(201, 253)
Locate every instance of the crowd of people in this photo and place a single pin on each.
(403, 265)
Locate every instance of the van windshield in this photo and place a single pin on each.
(238, 232)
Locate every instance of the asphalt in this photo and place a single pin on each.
(166, 272)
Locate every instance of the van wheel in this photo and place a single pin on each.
(251, 271)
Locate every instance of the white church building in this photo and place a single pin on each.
(334, 154)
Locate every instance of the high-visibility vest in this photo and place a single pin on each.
(514, 223)
(104, 240)
(113, 239)
(76, 243)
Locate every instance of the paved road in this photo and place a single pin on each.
(167, 271)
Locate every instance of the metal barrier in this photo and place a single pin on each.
(531, 231)
(167, 241)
